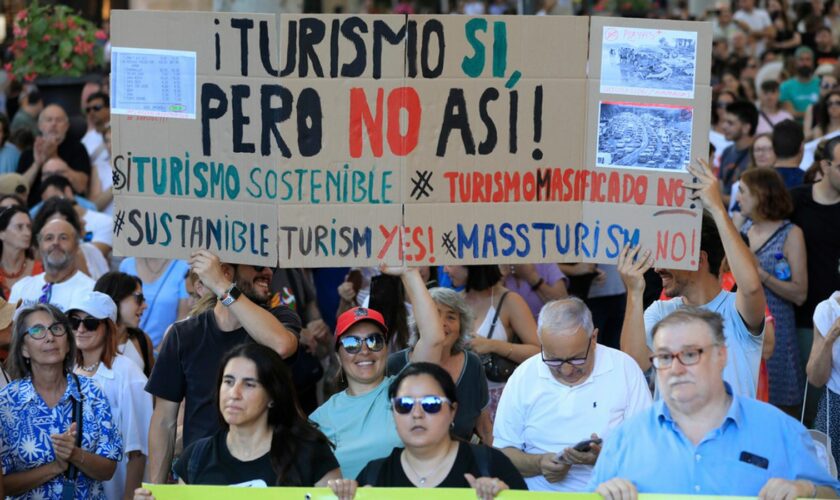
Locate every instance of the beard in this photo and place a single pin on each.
(803, 71)
(249, 290)
(58, 263)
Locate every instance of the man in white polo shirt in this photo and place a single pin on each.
(574, 391)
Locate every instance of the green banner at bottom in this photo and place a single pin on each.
(183, 492)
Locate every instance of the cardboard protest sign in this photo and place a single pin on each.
(416, 139)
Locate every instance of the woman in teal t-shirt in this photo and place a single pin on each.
(358, 420)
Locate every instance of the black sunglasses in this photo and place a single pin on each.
(430, 404)
(95, 107)
(138, 296)
(90, 323)
(352, 344)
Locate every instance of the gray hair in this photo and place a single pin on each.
(455, 301)
(565, 316)
(17, 365)
(687, 315)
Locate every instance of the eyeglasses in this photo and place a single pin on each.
(39, 331)
(46, 293)
(95, 107)
(138, 296)
(90, 323)
(558, 363)
(687, 357)
(832, 103)
(353, 344)
(430, 404)
(722, 104)
(826, 85)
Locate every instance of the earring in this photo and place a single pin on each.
(271, 404)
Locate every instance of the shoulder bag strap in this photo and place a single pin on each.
(69, 490)
(496, 316)
(197, 459)
(481, 454)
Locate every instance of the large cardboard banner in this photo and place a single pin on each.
(326, 140)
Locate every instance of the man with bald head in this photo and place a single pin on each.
(53, 125)
(573, 392)
(58, 243)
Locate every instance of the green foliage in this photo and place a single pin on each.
(53, 40)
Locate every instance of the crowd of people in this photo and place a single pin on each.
(619, 378)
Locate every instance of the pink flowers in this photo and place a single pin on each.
(53, 39)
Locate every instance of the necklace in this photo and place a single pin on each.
(90, 368)
(421, 480)
(15, 274)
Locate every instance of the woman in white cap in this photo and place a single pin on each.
(92, 317)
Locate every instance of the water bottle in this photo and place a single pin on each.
(781, 269)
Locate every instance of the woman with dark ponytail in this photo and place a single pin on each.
(265, 439)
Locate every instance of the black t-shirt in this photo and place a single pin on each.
(217, 466)
(821, 227)
(188, 365)
(391, 473)
(471, 389)
(71, 151)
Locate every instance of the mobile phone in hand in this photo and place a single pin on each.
(586, 445)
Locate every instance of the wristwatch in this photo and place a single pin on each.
(230, 295)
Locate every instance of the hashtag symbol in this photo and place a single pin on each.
(119, 222)
(449, 243)
(422, 188)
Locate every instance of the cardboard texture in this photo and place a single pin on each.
(419, 139)
(236, 232)
(335, 234)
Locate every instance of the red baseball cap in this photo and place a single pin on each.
(356, 315)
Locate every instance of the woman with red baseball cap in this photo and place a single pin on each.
(358, 420)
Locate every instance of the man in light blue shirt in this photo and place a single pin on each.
(742, 311)
(700, 438)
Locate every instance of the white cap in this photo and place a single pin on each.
(96, 304)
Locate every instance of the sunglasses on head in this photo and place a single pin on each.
(430, 404)
(95, 107)
(90, 323)
(352, 344)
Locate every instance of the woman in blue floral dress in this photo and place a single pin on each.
(38, 448)
(774, 240)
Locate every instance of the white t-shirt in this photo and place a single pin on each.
(131, 409)
(31, 288)
(96, 263)
(758, 20)
(129, 350)
(720, 143)
(100, 225)
(825, 314)
(99, 157)
(537, 414)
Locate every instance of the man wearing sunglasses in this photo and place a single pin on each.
(192, 349)
(98, 115)
(709, 439)
(559, 403)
